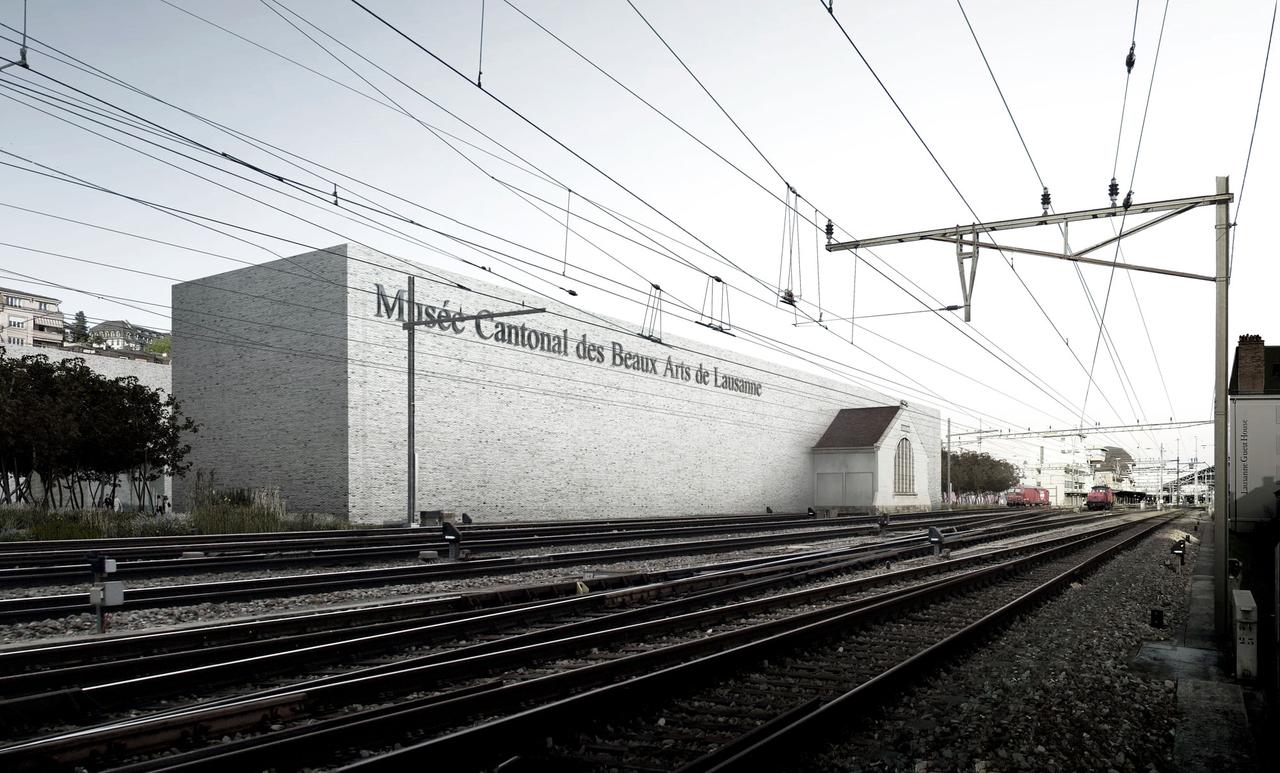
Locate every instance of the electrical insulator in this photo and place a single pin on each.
(1130, 60)
(1044, 200)
(831, 231)
(1113, 190)
(1128, 200)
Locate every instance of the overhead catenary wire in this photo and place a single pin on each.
(1116, 360)
(1257, 111)
(669, 119)
(928, 390)
(238, 36)
(945, 174)
(256, 322)
(1136, 155)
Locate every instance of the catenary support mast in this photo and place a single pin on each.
(971, 236)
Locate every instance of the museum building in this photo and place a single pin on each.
(296, 370)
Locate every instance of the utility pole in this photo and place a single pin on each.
(1220, 546)
(949, 488)
(441, 314)
(412, 463)
(982, 235)
(1162, 475)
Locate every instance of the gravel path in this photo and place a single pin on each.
(1054, 692)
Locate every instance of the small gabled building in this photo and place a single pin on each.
(872, 460)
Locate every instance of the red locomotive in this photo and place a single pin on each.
(1027, 496)
(1100, 498)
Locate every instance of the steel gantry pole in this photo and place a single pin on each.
(1222, 234)
(441, 318)
(411, 464)
(971, 236)
(949, 488)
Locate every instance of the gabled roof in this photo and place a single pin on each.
(858, 427)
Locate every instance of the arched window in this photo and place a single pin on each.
(904, 469)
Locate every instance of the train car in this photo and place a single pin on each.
(1100, 498)
(1027, 496)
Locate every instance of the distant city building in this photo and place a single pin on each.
(30, 319)
(1254, 394)
(124, 335)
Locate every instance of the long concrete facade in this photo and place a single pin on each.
(297, 370)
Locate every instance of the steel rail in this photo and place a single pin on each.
(38, 607)
(506, 733)
(270, 555)
(168, 544)
(149, 652)
(809, 721)
(283, 705)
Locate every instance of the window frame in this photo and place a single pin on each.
(904, 468)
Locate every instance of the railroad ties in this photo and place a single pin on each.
(717, 648)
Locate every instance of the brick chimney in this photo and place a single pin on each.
(1250, 370)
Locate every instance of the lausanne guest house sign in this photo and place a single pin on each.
(522, 336)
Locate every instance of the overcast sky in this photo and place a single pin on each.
(796, 87)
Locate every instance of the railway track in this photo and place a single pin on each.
(59, 562)
(39, 607)
(501, 665)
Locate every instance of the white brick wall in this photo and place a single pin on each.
(259, 360)
(503, 432)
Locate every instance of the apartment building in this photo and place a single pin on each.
(30, 319)
(123, 335)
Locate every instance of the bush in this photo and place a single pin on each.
(232, 518)
(35, 524)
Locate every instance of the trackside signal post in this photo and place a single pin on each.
(414, 321)
(968, 241)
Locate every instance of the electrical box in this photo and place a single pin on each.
(108, 594)
(1244, 610)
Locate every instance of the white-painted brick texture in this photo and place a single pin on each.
(503, 432)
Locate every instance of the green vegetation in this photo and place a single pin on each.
(69, 435)
(214, 511)
(80, 328)
(975, 473)
(161, 345)
(237, 510)
(27, 523)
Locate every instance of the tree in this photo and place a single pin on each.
(78, 432)
(162, 345)
(80, 328)
(973, 472)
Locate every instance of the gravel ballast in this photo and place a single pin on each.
(1053, 692)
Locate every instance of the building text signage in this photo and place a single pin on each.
(523, 336)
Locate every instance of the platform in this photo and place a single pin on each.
(1212, 732)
